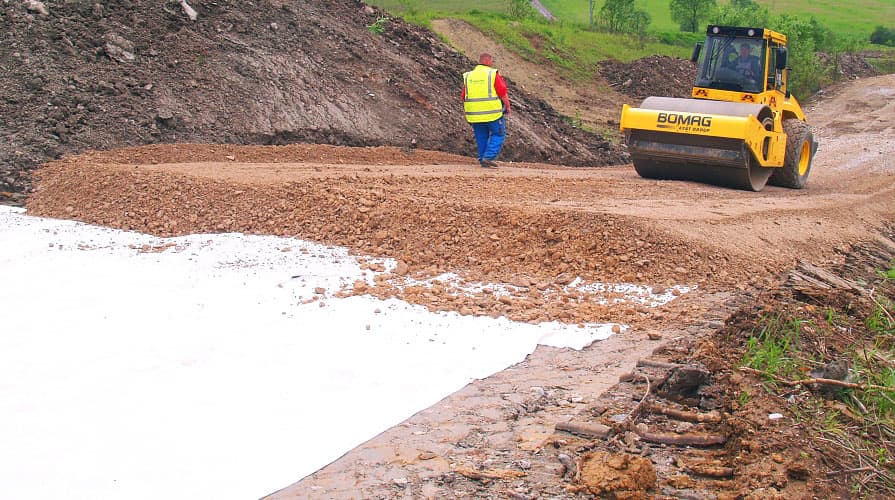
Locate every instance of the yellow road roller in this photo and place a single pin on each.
(742, 128)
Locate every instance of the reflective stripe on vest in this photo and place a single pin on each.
(482, 103)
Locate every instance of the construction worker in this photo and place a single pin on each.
(746, 64)
(486, 104)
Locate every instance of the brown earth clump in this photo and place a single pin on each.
(101, 75)
(618, 476)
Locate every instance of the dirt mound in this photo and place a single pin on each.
(650, 76)
(847, 66)
(128, 72)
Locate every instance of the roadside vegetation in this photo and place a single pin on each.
(829, 359)
(586, 33)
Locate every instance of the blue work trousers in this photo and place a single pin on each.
(489, 137)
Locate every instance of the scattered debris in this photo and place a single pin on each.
(473, 473)
(189, 11)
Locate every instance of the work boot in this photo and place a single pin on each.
(489, 164)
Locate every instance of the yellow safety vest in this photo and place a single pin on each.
(482, 103)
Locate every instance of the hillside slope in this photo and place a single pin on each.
(127, 72)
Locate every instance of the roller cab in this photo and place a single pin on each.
(731, 132)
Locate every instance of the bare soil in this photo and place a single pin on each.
(101, 75)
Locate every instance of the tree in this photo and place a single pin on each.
(742, 13)
(621, 16)
(689, 13)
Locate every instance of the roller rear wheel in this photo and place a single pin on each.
(799, 155)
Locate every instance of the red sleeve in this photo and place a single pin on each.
(500, 86)
(463, 94)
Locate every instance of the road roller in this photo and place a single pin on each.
(740, 128)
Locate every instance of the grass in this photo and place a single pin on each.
(378, 27)
(857, 429)
(744, 398)
(570, 46)
(577, 11)
(856, 18)
(770, 348)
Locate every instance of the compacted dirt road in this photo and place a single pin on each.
(439, 212)
(533, 227)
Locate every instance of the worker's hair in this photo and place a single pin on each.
(485, 58)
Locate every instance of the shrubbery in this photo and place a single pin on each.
(883, 36)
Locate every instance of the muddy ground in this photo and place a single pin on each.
(531, 226)
(101, 75)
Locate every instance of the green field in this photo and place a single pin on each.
(853, 18)
(577, 11)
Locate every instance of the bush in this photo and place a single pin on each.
(802, 37)
(883, 36)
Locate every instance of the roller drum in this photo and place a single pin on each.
(714, 160)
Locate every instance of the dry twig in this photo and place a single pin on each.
(637, 409)
(657, 364)
(822, 381)
(681, 439)
(849, 471)
(689, 416)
